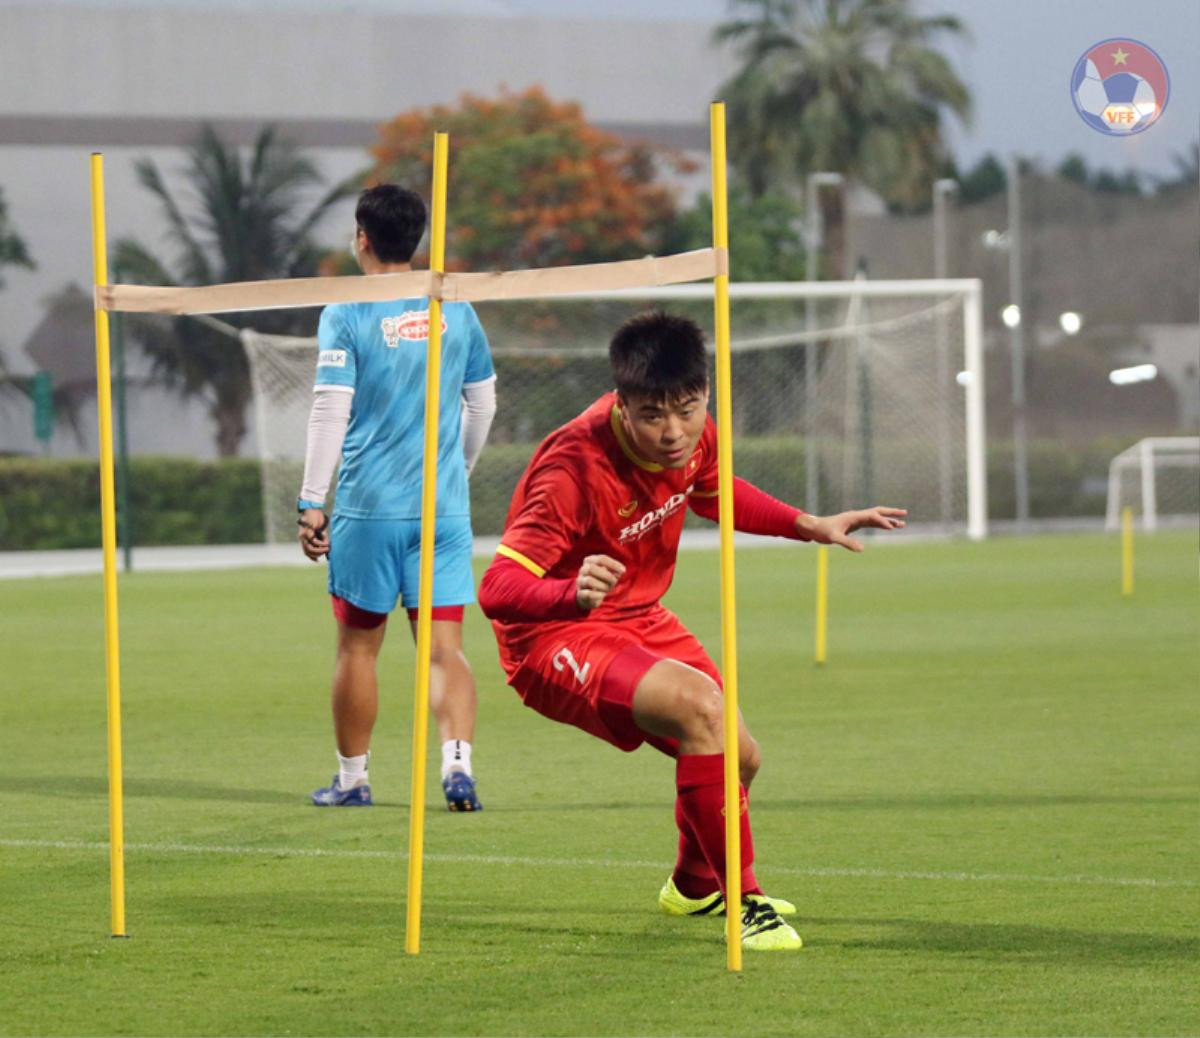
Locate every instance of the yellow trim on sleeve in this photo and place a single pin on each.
(524, 560)
(705, 493)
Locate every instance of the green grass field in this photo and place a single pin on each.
(985, 804)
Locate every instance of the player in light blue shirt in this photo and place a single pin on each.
(369, 411)
(377, 352)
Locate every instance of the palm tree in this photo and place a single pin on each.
(14, 253)
(241, 227)
(848, 86)
(1187, 170)
(12, 248)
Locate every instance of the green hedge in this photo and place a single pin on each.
(49, 503)
(53, 504)
(1063, 481)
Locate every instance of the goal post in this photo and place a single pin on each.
(1158, 478)
(898, 390)
(282, 370)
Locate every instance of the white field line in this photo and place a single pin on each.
(596, 863)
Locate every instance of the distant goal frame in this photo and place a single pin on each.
(1142, 457)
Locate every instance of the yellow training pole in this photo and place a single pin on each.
(1127, 551)
(108, 540)
(822, 599)
(733, 835)
(433, 378)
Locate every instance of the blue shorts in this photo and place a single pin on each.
(375, 562)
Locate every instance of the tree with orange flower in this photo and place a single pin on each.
(532, 183)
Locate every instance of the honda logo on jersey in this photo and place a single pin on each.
(411, 326)
(636, 531)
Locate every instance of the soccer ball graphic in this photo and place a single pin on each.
(1119, 104)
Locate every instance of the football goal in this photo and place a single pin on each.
(845, 394)
(1159, 478)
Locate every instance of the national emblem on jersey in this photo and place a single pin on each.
(410, 326)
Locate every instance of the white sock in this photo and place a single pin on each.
(456, 756)
(352, 770)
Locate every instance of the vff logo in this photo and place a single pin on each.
(1120, 87)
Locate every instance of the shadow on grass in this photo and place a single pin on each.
(537, 807)
(624, 931)
(70, 786)
(965, 801)
(183, 789)
(313, 912)
(1011, 941)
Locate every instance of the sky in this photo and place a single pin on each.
(1017, 61)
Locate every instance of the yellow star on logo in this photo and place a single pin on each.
(1120, 56)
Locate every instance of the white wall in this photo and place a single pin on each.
(69, 61)
(172, 61)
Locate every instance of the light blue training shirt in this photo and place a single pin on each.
(379, 351)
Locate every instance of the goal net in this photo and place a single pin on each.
(282, 369)
(1159, 478)
(845, 394)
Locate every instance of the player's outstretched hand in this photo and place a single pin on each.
(836, 529)
(598, 575)
(313, 526)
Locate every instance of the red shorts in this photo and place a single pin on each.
(352, 616)
(585, 674)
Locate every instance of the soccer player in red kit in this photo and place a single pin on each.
(587, 553)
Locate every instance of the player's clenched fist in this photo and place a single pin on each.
(598, 575)
(314, 533)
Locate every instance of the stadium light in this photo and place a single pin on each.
(993, 239)
(1011, 315)
(1128, 376)
(1070, 322)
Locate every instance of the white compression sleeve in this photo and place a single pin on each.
(327, 423)
(479, 408)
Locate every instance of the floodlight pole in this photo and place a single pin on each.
(815, 243)
(1016, 339)
(942, 190)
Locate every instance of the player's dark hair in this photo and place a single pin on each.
(659, 356)
(393, 219)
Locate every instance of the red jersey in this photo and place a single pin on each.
(585, 492)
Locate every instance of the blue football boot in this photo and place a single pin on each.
(459, 788)
(334, 796)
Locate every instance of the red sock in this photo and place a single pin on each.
(693, 875)
(700, 785)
